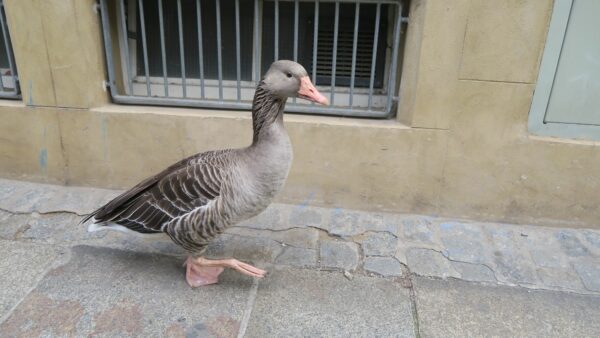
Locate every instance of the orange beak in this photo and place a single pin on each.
(309, 92)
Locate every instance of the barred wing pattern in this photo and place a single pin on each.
(175, 201)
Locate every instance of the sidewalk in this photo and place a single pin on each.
(332, 272)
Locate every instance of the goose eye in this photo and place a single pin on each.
(288, 74)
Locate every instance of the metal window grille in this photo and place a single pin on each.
(9, 83)
(212, 53)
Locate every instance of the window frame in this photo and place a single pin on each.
(386, 98)
(543, 89)
(15, 93)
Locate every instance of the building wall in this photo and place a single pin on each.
(459, 146)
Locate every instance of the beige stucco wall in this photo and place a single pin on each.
(459, 146)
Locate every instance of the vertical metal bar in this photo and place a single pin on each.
(315, 42)
(276, 30)
(296, 10)
(144, 47)
(394, 60)
(219, 57)
(6, 44)
(162, 46)
(257, 62)
(108, 47)
(335, 43)
(2, 82)
(374, 55)
(181, 49)
(200, 47)
(354, 47)
(237, 48)
(8, 51)
(127, 57)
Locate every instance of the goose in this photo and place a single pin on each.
(196, 199)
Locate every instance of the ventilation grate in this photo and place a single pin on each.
(345, 42)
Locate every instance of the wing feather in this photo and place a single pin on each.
(176, 191)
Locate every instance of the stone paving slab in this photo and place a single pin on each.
(28, 197)
(453, 308)
(106, 292)
(22, 266)
(306, 303)
(11, 223)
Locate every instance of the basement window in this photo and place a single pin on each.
(212, 53)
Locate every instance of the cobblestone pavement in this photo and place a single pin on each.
(53, 263)
(358, 242)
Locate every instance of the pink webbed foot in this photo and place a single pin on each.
(202, 271)
(201, 275)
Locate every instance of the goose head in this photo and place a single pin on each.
(289, 79)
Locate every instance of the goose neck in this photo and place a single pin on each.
(267, 112)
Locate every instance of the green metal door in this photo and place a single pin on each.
(575, 95)
(567, 97)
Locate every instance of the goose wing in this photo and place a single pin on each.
(179, 189)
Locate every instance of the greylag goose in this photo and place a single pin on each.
(197, 198)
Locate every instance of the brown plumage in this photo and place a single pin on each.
(177, 190)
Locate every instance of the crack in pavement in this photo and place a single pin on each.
(249, 307)
(12, 212)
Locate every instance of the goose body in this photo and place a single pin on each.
(197, 198)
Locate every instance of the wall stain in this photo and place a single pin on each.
(104, 131)
(307, 201)
(43, 159)
(30, 90)
(43, 155)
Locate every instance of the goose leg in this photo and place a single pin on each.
(202, 271)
